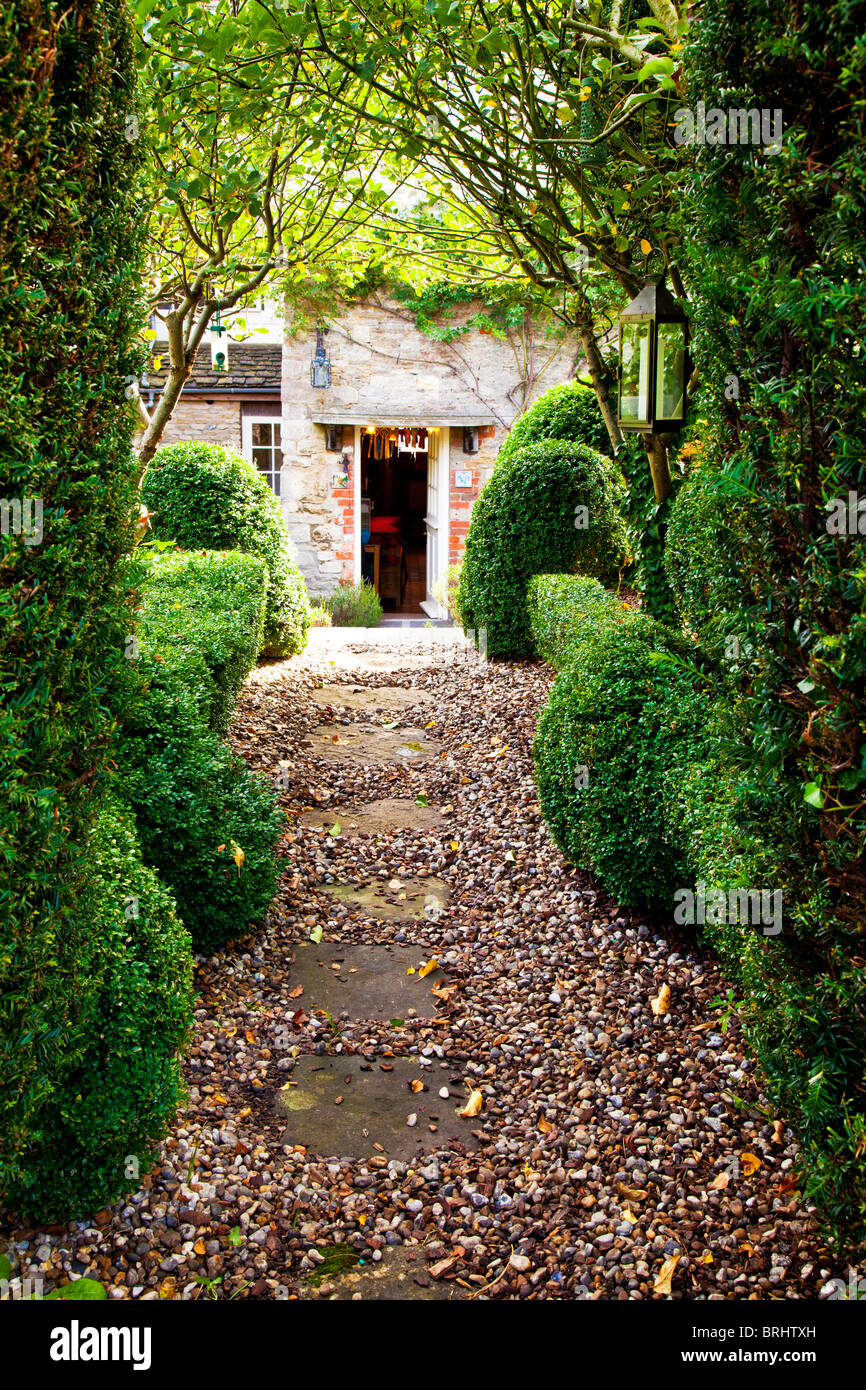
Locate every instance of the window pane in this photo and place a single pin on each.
(277, 439)
(261, 432)
(262, 459)
(670, 373)
(635, 353)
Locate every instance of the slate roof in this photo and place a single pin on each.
(252, 367)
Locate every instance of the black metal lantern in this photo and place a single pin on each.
(320, 367)
(470, 440)
(653, 361)
(334, 439)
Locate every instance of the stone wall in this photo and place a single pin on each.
(383, 366)
(216, 422)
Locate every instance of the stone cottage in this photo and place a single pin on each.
(377, 468)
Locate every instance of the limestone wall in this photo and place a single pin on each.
(217, 422)
(381, 364)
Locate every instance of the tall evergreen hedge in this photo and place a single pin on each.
(70, 262)
(775, 247)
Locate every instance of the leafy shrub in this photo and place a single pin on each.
(204, 618)
(558, 606)
(206, 496)
(353, 605)
(525, 523)
(702, 565)
(569, 412)
(133, 1010)
(70, 267)
(207, 825)
(321, 617)
(625, 717)
(771, 250)
(445, 592)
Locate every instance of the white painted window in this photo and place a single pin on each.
(262, 446)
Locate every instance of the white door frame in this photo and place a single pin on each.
(430, 606)
(356, 504)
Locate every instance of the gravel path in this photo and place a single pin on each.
(623, 1152)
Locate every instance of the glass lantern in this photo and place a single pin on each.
(653, 361)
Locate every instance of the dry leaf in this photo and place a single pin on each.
(720, 1182)
(665, 1274)
(199, 1248)
(237, 855)
(751, 1163)
(706, 1258)
(250, 1037)
(411, 970)
(749, 1249)
(778, 1132)
(220, 1100)
(661, 1003)
(296, 992)
(417, 1086)
(544, 1125)
(789, 1183)
(472, 1106)
(428, 969)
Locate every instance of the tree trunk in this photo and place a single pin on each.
(599, 378)
(658, 461)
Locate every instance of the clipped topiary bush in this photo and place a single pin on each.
(207, 825)
(548, 509)
(624, 718)
(132, 1015)
(569, 412)
(206, 496)
(204, 618)
(702, 560)
(559, 607)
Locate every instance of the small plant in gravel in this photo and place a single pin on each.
(353, 605)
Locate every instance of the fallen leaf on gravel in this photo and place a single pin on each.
(220, 1100)
(242, 1114)
(443, 992)
(417, 1086)
(663, 1278)
(628, 1215)
(455, 844)
(316, 934)
(421, 800)
(789, 1183)
(778, 1132)
(411, 970)
(544, 1125)
(719, 1182)
(295, 993)
(335, 828)
(199, 1247)
(748, 1249)
(472, 1106)
(751, 1163)
(661, 1003)
(631, 1194)
(706, 1258)
(428, 969)
(250, 1037)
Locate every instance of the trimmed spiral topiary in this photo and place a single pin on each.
(208, 497)
(547, 509)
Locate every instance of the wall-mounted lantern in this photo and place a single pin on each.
(334, 439)
(653, 361)
(320, 367)
(470, 440)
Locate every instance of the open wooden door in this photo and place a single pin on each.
(436, 519)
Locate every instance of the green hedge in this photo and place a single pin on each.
(625, 718)
(523, 524)
(71, 255)
(204, 617)
(773, 247)
(703, 563)
(568, 412)
(133, 1010)
(207, 825)
(206, 496)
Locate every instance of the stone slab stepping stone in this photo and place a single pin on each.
(365, 981)
(389, 697)
(374, 1108)
(397, 1276)
(378, 817)
(366, 743)
(424, 897)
